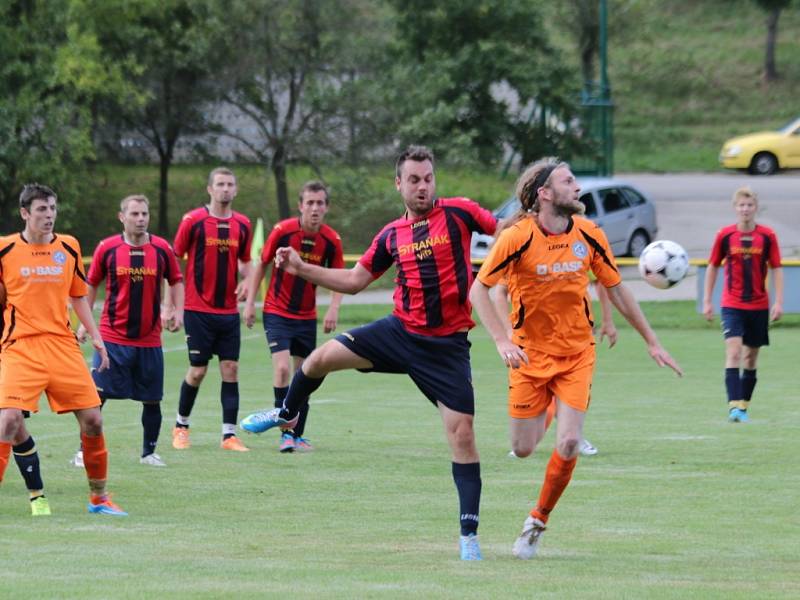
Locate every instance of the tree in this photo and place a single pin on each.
(302, 80)
(773, 9)
(45, 99)
(171, 52)
(478, 72)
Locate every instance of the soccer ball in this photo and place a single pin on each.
(663, 264)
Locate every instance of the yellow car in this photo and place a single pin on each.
(765, 152)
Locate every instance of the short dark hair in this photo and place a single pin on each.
(34, 191)
(220, 171)
(415, 153)
(314, 186)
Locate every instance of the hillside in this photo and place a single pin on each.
(686, 75)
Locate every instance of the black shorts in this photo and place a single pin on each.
(134, 372)
(750, 325)
(438, 365)
(299, 336)
(208, 334)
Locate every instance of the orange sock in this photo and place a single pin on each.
(551, 413)
(556, 478)
(95, 460)
(5, 452)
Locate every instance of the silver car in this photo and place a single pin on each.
(626, 214)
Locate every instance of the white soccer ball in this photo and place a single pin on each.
(663, 264)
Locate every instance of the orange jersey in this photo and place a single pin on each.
(39, 279)
(548, 277)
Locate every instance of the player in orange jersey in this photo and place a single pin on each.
(546, 257)
(41, 272)
(500, 298)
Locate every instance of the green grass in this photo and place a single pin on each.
(678, 504)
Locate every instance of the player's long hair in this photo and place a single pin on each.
(533, 178)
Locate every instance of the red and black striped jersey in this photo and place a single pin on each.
(747, 255)
(133, 276)
(290, 296)
(214, 247)
(432, 259)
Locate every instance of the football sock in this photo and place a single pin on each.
(733, 386)
(27, 459)
(186, 403)
(748, 384)
(301, 421)
(551, 413)
(5, 452)
(556, 477)
(467, 477)
(280, 394)
(300, 389)
(229, 397)
(151, 426)
(95, 461)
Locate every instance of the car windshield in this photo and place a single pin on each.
(790, 126)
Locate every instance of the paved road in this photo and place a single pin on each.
(692, 207)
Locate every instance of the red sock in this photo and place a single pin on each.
(5, 452)
(95, 456)
(556, 478)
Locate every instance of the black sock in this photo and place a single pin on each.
(186, 401)
(27, 459)
(300, 389)
(301, 421)
(468, 483)
(151, 425)
(733, 384)
(229, 397)
(280, 394)
(748, 384)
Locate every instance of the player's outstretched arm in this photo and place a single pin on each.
(345, 281)
(511, 354)
(81, 308)
(622, 298)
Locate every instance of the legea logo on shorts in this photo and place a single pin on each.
(59, 257)
(579, 249)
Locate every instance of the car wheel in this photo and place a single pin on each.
(763, 163)
(638, 243)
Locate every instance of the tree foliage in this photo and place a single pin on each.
(476, 73)
(302, 80)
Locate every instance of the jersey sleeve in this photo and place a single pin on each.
(716, 251)
(603, 265)
(77, 288)
(173, 274)
(182, 236)
(508, 247)
(245, 248)
(377, 259)
(774, 257)
(97, 270)
(271, 246)
(338, 252)
(485, 221)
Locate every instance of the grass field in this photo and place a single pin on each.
(678, 503)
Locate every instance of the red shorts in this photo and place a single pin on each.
(46, 363)
(532, 387)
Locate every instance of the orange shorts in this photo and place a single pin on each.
(46, 363)
(531, 387)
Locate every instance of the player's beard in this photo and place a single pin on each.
(566, 207)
